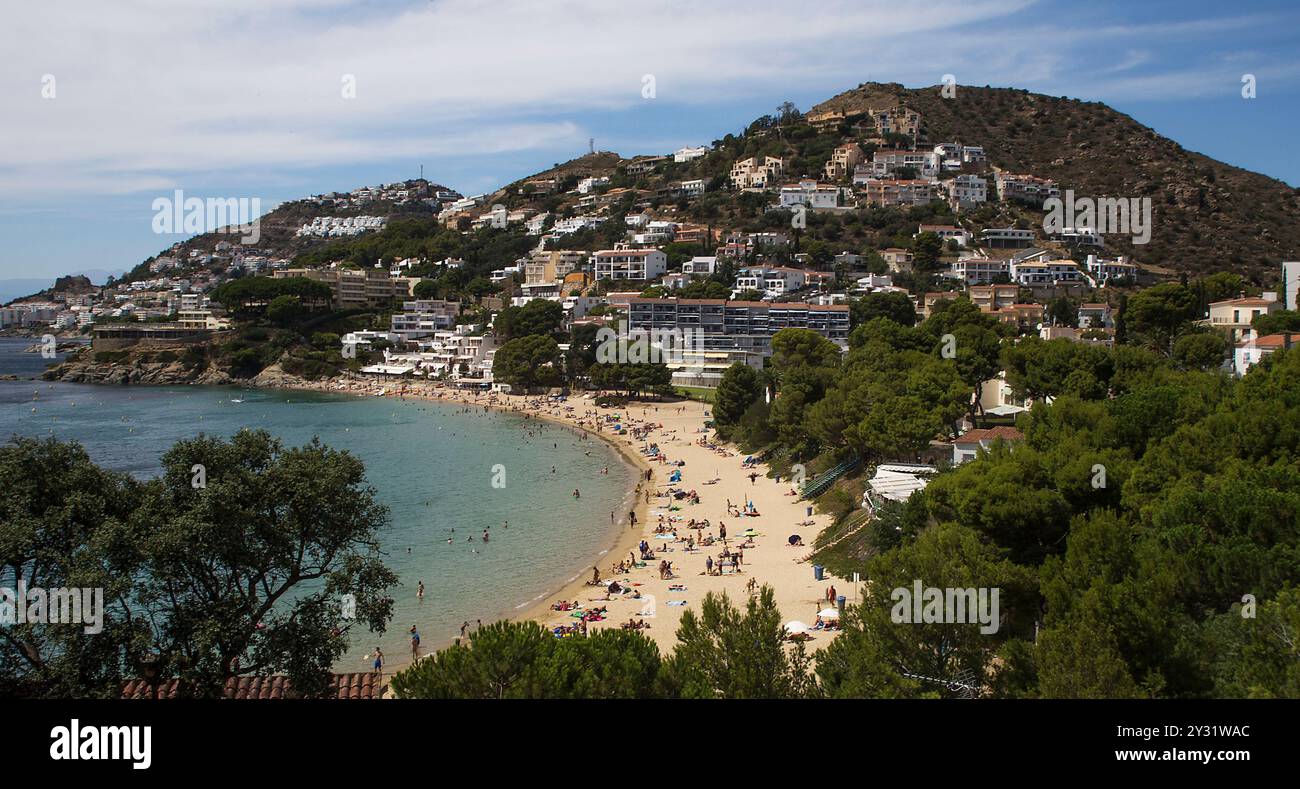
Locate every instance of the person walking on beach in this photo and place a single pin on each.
(379, 661)
(463, 627)
(415, 643)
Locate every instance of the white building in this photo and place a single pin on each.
(687, 154)
(635, 264)
(700, 265)
(1050, 272)
(773, 281)
(967, 191)
(976, 270)
(693, 188)
(1101, 271)
(809, 193)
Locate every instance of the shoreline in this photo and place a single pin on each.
(677, 429)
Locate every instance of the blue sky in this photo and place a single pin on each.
(244, 98)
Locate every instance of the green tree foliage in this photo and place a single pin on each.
(893, 305)
(240, 575)
(726, 652)
(255, 294)
(1159, 315)
(528, 362)
(539, 317)
(1200, 350)
(1039, 369)
(1276, 322)
(739, 388)
(883, 641)
(632, 379)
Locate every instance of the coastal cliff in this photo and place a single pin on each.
(158, 368)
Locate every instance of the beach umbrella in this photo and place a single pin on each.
(795, 627)
(829, 613)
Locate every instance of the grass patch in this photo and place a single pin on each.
(700, 393)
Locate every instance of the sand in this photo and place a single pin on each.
(769, 560)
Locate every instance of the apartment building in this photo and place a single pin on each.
(717, 324)
(700, 265)
(977, 270)
(633, 264)
(1103, 271)
(1233, 316)
(1006, 237)
(548, 266)
(809, 193)
(756, 172)
(423, 317)
(991, 298)
(843, 160)
(1045, 272)
(355, 287)
(887, 162)
(966, 192)
(772, 281)
(898, 192)
(1026, 188)
(896, 120)
(689, 154)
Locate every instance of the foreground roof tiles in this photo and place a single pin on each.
(362, 685)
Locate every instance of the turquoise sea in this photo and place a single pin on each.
(431, 463)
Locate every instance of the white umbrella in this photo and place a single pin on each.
(829, 613)
(795, 627)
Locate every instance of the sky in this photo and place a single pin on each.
(109, 106)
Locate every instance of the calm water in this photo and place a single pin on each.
(431, 464)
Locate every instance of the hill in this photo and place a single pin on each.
(1207, 215)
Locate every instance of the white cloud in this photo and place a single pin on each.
(152, 92)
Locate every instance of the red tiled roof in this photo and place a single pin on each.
(1246, 302)
(990, 434)
(342, 686)
(1272, 341)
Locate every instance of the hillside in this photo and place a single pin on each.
(278, 228)
(1207, 215)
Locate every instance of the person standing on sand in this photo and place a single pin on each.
(415, 643)
(379, 661)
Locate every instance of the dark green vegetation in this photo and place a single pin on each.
(531, 357)
(1145, 535)
(1206, 213)
(287, 322)
(723, 651)
(232, 562)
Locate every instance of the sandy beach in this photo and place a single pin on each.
(718, 478)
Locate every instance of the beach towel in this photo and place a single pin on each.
(676, 602)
